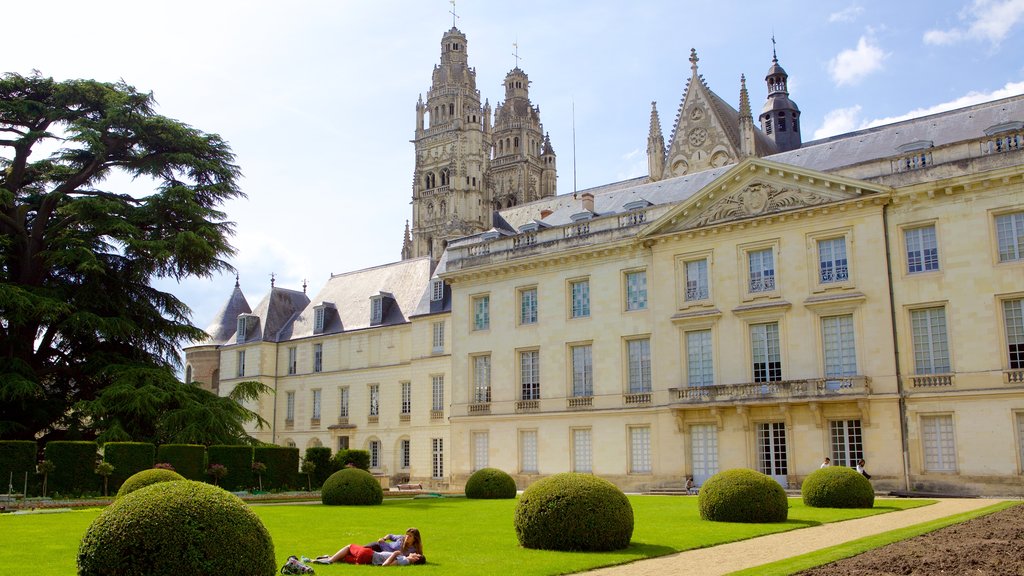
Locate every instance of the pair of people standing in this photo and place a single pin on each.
(390, 550)
(860, 467)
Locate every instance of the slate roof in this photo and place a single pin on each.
(225, 323)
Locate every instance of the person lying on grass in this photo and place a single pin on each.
(356, 554)
(404, 543)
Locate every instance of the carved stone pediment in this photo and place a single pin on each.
(757, 199)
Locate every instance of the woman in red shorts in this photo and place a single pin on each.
(356, 554)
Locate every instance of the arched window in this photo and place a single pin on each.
(501, 146)
(188, 374)
(373, 447)
(444, 177)
(515, 143)
(451, 109)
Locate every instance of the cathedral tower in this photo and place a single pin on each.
(521, 152)
(780, 117)
(449, 198)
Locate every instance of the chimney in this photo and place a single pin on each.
(588, 201)
(545, 213)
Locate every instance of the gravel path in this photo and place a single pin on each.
(727, 558)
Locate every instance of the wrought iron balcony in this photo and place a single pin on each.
(772, 391)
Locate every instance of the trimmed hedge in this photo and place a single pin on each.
(574, 512)
(146, 478)
(238, 461)
(16, 458)
(837, 487)
(174, 528)
(358, 458)
(74, 462)
(282, 466)
(490, 483)
(189, 460)
(742, 495)
(128, 458)
(321, 456)
(351, 487)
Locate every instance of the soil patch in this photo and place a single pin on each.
(990, 545)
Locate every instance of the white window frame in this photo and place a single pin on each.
(528, 306)
(437, 458)
(636, 290)
(838, 344)
(1013, 330)
(406, 388)
(582, 450)
(704, 442)
(1010, 236)
(436, 290)
(481, 443)
(376, 309)
(404, 453)
(582, 370)
(938, 443)
(766, 349)
(772, 449)
(481, 312)
(343, 402)
(317, 403)
(700, 363)
(528, 451)
(762, 277)
(318, 357)
(846, 440)
(241, 328)
(833, 262)
(921, 249)
(929, 329)
(437, 392)
(293, 360)
(289, 406)
(241, 363)
(481, 378)
(640, 450)
(437, 337)
(529, 374)
(638, 365)
(373, 447)
(373, 395)
(579, 298)
(697, 280)
(319, 314)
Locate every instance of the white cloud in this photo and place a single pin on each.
(844, 120)
(838, 121)
(636, 165)
(851, 66)
(846, 15)
(989, 20)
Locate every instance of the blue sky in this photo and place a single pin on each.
(317, 97)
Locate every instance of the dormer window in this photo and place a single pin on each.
(320, 316)
(245, 327)
(581, 216)
(436, 290)
(636, 205)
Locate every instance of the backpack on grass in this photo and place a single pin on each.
(295, 566)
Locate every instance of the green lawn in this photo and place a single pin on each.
(459, 536)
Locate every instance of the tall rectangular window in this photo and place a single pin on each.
(636, 290)
(343, 402)
(481, 312)
(832, 263)
(697, 280)
(939, 443)
(437, 393)
(847, 442)
(1013, 317)
(374, 449)
(289, 410)
(922, 249)
(699, 368)
(528, 451)
(318, 357)
(704, 449)
(406, 397)
(761, 265)
(771, 448)
(764, 350)
(581, 451)
(317, 396)
(639, 353)
(528, 306)
(838, 344)
(582, 371)
(482, 378)
(404, 454)
(437, 340)
(1010, 236)
(240, 329)
(480, 450)
(640, 450)
(241, 363)
(376, 309)
(931, 345)
(529, 375)
(374, 399)
(319, 314)
(580, 291)
(293, 359)
(436, 290)
(437, 458)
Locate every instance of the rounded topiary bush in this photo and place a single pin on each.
(147, 477)
(174, 528)
(351, 487)
(572, 511)
(742, 495)
(490, 483)
(837, 487)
